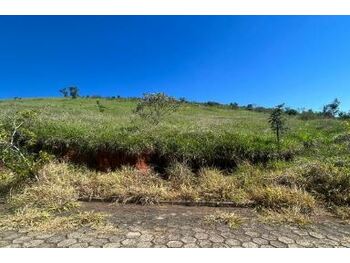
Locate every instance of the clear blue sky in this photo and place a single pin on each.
(303, 61)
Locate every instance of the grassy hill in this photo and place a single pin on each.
(199, 153)
(199, 134)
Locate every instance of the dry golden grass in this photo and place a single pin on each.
(343, 212)
(53, 191)
(61, 185)
(126, 185)
(219, 217)
(213, 185)
(280, 197)
(38, 220)
(291, 216)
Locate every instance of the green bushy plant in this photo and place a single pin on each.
(154, 107)
(278, 122)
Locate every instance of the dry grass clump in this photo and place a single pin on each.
(53, 192)
(50, 204)
(279, 197)
(214, 186)
(180, 174)
(37, 220)
(291, 216)
(327, 182)
(219, 217)
(343, 212)
(126, 185)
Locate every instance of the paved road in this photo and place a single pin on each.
(180, 226)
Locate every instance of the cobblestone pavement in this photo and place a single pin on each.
(181, 226)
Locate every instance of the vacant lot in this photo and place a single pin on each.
(199, 153)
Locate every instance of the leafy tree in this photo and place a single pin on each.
(234, 105)
(331, 110)
(212, 103)
(183, 100)
(250, 107)
(277, 122)
(64, 92)
(290, 111)
(155, 106)
(74, 92)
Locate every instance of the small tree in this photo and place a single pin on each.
(331, 110)
(100, 107)
(250, 107)
(277, 122)
(234, 105)
(64, 92)
(74, 92)
(155, 106)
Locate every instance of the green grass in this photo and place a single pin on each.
(311, 170)
(206, 135)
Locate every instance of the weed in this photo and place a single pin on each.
(37, 220)
(291, 216)
(279, 197)
(228, 218)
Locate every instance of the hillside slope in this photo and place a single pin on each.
(196, 133)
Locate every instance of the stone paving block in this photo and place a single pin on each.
(146, 237)
(190, 245)
(79, 245)
(33, 243)
(216, 239)
(174, 244)
(144, 244)
(67, 242)
(233, 242)
(201, 236)
(286, 240)
(112, 245)
(249, 245)
(133, 234)
(129, 242)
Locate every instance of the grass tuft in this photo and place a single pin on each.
(227, 218)
(279, 197)
(291, 216)
(37, 220)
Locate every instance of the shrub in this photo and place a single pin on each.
(309, 115)
(99, 106)
(15, 132)
(154, 107)
(291, 112)
(331, 110)
(7, 181)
